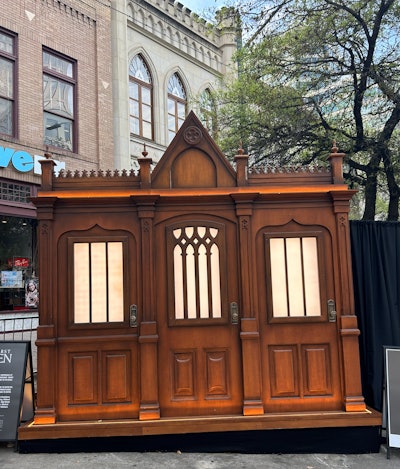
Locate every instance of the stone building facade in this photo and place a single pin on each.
(177, 52)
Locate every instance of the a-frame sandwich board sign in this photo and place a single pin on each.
(16, 387)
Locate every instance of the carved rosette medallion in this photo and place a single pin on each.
(192, 135)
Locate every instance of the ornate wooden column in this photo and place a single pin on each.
(353, 399)
(46, 334)
(249, 331)
(349, 332)
(148, 337)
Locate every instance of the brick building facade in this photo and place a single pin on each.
(55, 93)
(178, 53)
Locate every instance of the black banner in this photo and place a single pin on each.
(16, 387)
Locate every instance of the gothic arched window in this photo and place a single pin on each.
(176, 105)
(140, 98)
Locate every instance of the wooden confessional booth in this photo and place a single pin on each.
(195, 298)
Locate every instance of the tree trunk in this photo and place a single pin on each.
(393, 209)
(371, 187)
(394, 192)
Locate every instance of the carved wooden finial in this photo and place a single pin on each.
(144, 152)
(47, 154)
(145, 169)
(241, 161)
(336, 160)
(47, 166)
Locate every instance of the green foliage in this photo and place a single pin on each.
(313, 71)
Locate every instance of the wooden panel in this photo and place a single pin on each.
(316, 364)
(217, 373)
(206, 424)
(183, 364)
(83, 374)
(284, 370)
(98, 379)
(193, 168)
(116, 376)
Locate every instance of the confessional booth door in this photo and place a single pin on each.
(199, 359)
(98, 340)
(300, 337)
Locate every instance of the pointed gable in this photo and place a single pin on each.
(193, 160)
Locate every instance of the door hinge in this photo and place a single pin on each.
(234, 310)
(331, 311)
(133, 316)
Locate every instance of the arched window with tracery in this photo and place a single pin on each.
(176, 105)
(140, 98)
(196, 266)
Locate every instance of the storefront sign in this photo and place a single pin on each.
(24, 162)
(16, 387)
(20, 262)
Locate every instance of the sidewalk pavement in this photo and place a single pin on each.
(9, 458)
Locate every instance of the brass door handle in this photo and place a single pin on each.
(234, 311)
(331, 311)
(133, 316)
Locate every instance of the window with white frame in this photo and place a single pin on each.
(140, 98)
(176, 105)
